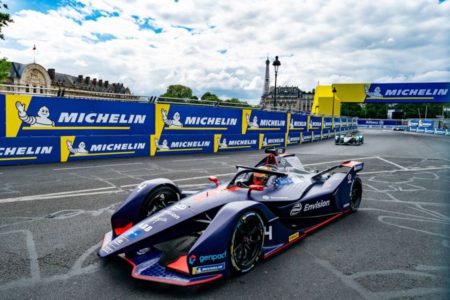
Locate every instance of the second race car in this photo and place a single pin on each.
(349, 138)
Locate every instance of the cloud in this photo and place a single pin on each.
(221, 46)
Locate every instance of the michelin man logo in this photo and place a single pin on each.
(253, 124)
(222, 144)
(164, 145)
(264, 142)
(81, 150)
(40, 120)
(291, 126)
(376, 92)
(172, 123)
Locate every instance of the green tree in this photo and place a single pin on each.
(178, 91)
(5, 19)
(352, 110)
(208, 96)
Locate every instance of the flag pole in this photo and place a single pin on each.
(34, 53)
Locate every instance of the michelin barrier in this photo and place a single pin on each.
(45, 130)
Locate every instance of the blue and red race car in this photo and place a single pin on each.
(189, 238)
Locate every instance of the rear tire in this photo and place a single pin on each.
(246, 242)
(356, 194)
(158, 199)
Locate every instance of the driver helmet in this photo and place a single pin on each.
(261, 178)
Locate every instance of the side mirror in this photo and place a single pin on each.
(214, 179)
(254, 187)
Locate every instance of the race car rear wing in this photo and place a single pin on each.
(356, 165)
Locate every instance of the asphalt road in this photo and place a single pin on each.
(397, 246)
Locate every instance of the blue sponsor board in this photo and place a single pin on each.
(294, 138)
(306, 137)
(420, 130)
(259, 121)
(298, 122)
(316, 135)
(182, 143)
(89, 147)
(187, 119)
(272, 140)
(326, 133)
(440, 131)
(337, 122)
(426, 123)
(15, 151)
(2, 116)
(327, 123)
(43, 116)
(233, 142)
(314, 123)
(413, 123)
(433, 92)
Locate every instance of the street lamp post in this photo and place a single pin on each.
(332, 109)
(276, 64)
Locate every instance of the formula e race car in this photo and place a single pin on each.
(189, 238)
(349, 138)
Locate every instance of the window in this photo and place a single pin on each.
(27, 89)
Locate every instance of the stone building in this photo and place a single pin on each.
(288, 97)
(35, 79)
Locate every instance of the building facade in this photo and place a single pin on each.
(288, 97)
(35, 79)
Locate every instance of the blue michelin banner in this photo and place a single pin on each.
(306, 137)
(315, 123)
(316, 135)
(181, 143)
(259, 121)
(377, 122)
(433, 92)
(43, 116)
(426, 123)
(190, 119)
(233, 142)
(298, 122)
(294, 138)
(337, 122)
(327, 123)
(89, 147)
(2, 116)
(272, 140)
(14, 151)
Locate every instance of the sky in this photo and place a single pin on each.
(221, 46)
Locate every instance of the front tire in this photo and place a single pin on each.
(246, 242)
(158, 199)
(356, 194)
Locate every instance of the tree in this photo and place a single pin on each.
(178, 91)
(352, 110)
(208, 96)
(5, 19)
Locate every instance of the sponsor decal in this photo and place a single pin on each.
(349, 177)
(145, 227)
(192, 259)
(208, 268)
(134, 234)
(143, 251)
(294, 236)
(281, 181)
(212, 257)
(179, 206)
(176, 122)
(296, 209)
(262, 121)
(316, 205)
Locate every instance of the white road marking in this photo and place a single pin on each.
(392, 163)
(341, 160)
(404, 170)
(96, 166)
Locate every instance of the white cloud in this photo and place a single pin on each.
(326, 41)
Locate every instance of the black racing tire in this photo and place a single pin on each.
(246, 242)
(355, 194)
(158, 199)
